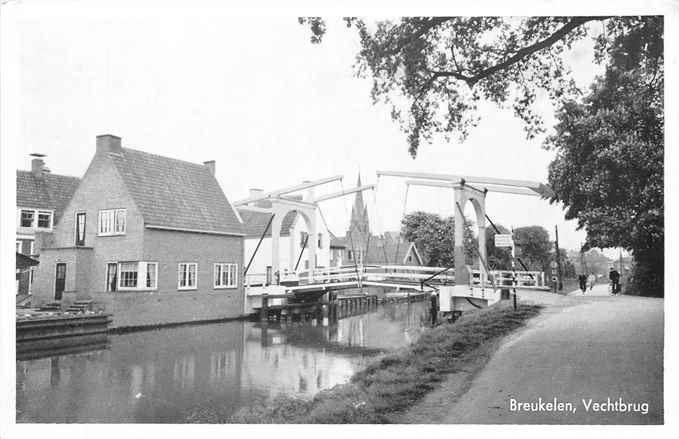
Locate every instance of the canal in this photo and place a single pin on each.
(172, 374)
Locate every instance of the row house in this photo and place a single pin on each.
(150, 239)
(40, 201)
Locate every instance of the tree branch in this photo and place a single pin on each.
(520, 54)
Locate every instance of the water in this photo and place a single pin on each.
(168, 375)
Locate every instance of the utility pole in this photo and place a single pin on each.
(558, 258)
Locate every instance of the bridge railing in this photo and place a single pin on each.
(406, 273)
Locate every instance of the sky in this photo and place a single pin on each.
(255, 95)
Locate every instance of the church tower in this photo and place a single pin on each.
(359, 228)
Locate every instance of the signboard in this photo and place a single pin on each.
(504, 240)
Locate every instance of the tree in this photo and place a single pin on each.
(499, 258)
(433, 71)
(591, 261)
(435, 238)
(533, 247)
(608, 170)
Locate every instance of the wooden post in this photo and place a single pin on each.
(264, 310)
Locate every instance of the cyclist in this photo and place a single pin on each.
(614, 276)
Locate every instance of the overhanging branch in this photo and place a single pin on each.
(518, 55)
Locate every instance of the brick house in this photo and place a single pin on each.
(148, 238)
(40, 200)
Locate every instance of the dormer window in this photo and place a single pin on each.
(36, 219)
(44, 220)
(27, 218)
(112, 222)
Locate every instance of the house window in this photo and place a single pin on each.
(44, 220)
(187, 276)
(151, 275)
(18, 247)
(303, 236)
(137, 275)
(226, 276)
(112, 222)
(32, 248)
(129, 274)
(27, 217)
(350, 255)
(320, 240)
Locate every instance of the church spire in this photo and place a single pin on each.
(359, 213)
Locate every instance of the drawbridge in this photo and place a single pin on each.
(457, 284)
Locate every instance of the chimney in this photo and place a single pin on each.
(254, 192)
(108, 143)
(38, 167)
(211, 166)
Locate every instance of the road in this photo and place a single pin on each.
(582, 347)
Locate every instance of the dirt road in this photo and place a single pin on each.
(582, 351)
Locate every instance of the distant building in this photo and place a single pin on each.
(40, 199)
(148, 238)
(360, 246)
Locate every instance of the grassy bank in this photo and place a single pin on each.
(397, 380)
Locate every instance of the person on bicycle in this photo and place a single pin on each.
(591, 280)
(614, 276)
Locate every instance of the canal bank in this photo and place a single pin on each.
(387, 387)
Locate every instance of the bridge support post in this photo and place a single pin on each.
(264, 310)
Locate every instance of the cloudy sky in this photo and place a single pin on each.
(254, 95)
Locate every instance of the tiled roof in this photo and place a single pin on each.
(255, 222)
(176, 194)
(389, 248)
(338, 242)
(387, 251)
(51, 191)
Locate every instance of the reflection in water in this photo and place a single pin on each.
(166, 375)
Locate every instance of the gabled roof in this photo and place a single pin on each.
(386, 250)
(175, 194)
(336, 242)
(50, 191)
(255, 222)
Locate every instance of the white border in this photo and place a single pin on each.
(377, 8)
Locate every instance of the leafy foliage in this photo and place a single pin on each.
(433, 71)
(499, 258)
(434, 237)
(609, 165)
(534, 247)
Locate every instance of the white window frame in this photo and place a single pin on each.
(32, 248)
(179, 271)
(111, 222)
(37, 219)
(232, 275)
(142, 270)
(33, 221)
